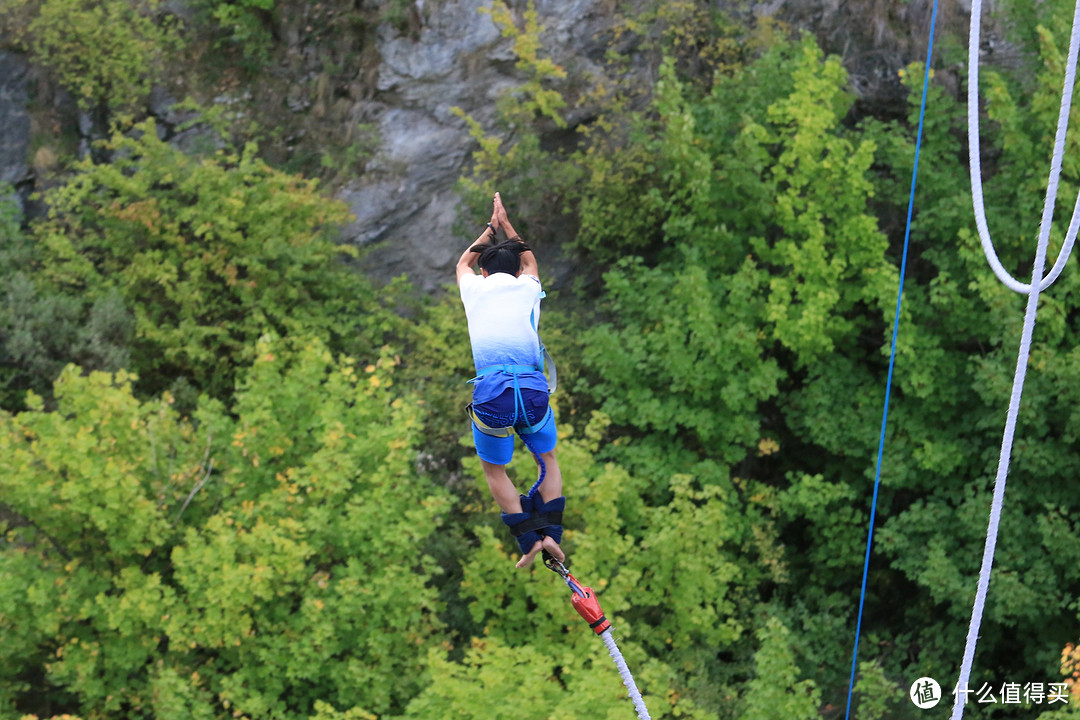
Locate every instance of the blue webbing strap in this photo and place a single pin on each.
(536, 329)
(519, 402)
(511, 369)
(892, 359)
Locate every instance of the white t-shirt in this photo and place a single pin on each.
(503, 313)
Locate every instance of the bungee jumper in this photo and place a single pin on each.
(510, 395)
(510, 390)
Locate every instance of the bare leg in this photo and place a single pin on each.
(508, 500)
(551, 488)
(502, 489)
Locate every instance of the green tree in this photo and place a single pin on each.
(255, 561)
(108, 53)
(244, 26)
(208, 254)
(776, 690)
(40, 331)
(529, 645)
(959, 356)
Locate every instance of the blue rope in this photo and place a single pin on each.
(519, 404)
(892, 360)
(543, 468)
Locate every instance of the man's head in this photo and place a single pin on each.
(505, 257)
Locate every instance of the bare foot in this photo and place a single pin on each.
(553, 547)
(527, 559)
(546, 544)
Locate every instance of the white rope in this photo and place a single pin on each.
(627, 678)
(1038, 283)
(975, 160)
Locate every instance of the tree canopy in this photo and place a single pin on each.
(238, 484)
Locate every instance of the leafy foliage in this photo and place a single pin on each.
(41, 332)
(174, 568)
(108, 52)
(776, 689)
(209, 254)
(745, 319)
(245, 25)
(281, 551)
(532, 98)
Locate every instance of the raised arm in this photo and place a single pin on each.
(528, 259)
(467, 262)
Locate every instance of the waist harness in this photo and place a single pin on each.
(547, 367)
(519, 403)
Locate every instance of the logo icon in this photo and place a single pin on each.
(925, 693)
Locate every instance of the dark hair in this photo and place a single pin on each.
(502, 258)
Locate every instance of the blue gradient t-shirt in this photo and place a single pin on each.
(503, 313)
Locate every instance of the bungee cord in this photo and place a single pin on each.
(586, 604)
(541, 466)
(624, 672)
(1032, 290)
(975, 160)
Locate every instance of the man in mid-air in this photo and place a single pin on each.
(510, 391)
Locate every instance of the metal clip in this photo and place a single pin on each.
(555, 565)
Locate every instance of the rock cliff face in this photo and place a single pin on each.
(406, 206)
(14, 120)
(876, 38)
(453, 55)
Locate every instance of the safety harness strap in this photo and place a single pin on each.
(502, 432)
(484, 428)
(549, 364)
(538, 426)
(537, 521)
(512, 369)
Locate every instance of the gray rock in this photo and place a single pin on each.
(877, 39)
(405, 205)
(427, 151)
(162, 106)
(197, 140)
(426, 251)
(86, 124)
(14, 119)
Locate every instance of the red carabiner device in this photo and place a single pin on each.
(583, 599)
(589, 609)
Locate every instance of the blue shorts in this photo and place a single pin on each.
(499, 412)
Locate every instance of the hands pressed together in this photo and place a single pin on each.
(499, 221)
